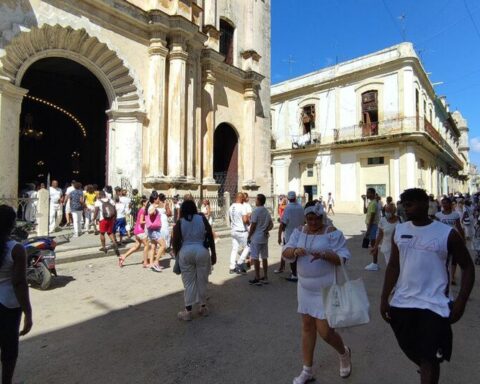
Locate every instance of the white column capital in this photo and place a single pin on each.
(10, 90)
(209, 77)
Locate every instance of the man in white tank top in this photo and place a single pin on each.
(420, 311)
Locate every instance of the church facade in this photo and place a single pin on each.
(374, 121)
(172, 95)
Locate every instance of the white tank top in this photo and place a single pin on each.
(424, 276)
(7, 294)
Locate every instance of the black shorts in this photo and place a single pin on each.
(9, 328)
(422, 334)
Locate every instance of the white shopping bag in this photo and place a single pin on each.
(346, 305)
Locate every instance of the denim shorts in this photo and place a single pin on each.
(373, 231)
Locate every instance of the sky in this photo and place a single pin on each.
(308, 35)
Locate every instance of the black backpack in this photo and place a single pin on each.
(108, 210)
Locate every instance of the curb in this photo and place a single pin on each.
(91, 253)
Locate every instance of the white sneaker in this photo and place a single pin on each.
(304, 377)
(372, 267)
(346, 363)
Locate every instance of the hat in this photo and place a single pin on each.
(291, 195)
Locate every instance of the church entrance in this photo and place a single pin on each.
(225, 159)
(63, 125)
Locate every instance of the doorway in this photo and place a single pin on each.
(225, 159)
(63, 125)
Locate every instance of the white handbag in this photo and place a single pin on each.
(346, 305)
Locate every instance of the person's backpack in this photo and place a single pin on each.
(108, 210)
(153, 222)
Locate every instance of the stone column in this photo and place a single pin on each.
(208, 106)
(191, 116)
(125, 147)
(250, 136)
(154, 146)
(10, 108)
(42, 216)
(177, 87)
(210, 13)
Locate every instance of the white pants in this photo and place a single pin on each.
(89, 212)
(239, 241)
(55, 216)
(77, 222)
(195, 263)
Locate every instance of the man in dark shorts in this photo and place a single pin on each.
(420, 311)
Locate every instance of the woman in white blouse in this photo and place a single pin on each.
(386, 226)
(318, 248)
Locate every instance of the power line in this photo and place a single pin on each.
(471, 18)
(392, 18)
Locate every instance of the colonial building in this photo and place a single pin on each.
(372, 121)
(165, 94)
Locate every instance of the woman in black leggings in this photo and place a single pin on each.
(14, 297)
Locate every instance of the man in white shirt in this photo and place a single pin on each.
(68, 211)
(420, 311)
(261, 224)
(55, 206)
(238, 224)
(330, 203)
(452, 219)
(242, 266)
(293, 217)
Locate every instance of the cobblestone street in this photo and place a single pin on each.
(103, 324)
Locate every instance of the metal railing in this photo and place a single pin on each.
(25, 207)
(391, 127)
(310, 138)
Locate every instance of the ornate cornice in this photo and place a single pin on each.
(214, 60)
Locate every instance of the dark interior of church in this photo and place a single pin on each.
(225, 159)
(63, 125)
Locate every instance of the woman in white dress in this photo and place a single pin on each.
(318, 248)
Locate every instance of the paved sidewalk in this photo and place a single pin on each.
(87, 246)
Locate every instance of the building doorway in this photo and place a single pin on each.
(370, 113)
(63, 125)
(225, 158)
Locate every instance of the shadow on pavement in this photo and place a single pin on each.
(252, 336)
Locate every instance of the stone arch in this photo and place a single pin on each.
(117, 78)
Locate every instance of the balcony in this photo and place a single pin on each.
(386, 128)
(305, 140)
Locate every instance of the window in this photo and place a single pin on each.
(309, 170)
(381, 189)
(226, 41)
(370, 113)
(308, 118)
(375, 160)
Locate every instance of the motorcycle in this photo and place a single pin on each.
(40, 257)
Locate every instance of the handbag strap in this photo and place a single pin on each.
(344, 270)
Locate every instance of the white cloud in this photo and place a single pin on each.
(475, 144)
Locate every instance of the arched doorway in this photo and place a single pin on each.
(225, 158)
(126, 106)
(63, 125)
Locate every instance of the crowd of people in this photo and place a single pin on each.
(423, 239)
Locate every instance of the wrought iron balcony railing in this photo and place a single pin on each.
(369, 131)
(302, 141)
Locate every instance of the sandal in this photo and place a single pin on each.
(121, 260)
